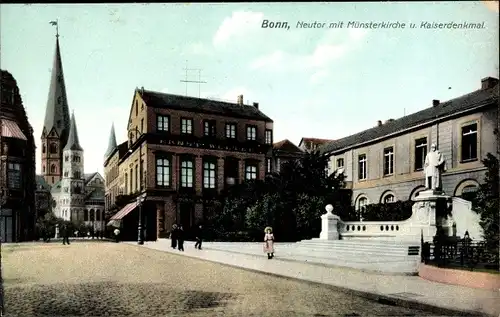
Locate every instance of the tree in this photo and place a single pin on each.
(487, 203)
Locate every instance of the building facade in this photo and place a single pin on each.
(75, 196)
(111, 171)
(282, 152)
(183, 152)
(385, 163)
(17, 165)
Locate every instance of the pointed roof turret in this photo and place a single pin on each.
(73, 142)
(112, 141)
(57, 111)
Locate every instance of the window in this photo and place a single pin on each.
(136, 177)
(389, 161)
(340, 163)
(186, 126)
(278, 164)
(209, 128)
(250, 172)
(53, 148)
(420, 153)
(230, 130)
(362, 167)
(98, 215)
(469, 142)
(269, 136)
(44, 149)
(362, 202)
(187, 174)
(142, 125)
(53, 169)
(126, 183)
(389, 199)
(136, 108)
(43, 169)
(162, 123)
(268, 165)
(66, 158)
(86, 215)
(251, 133)
(209, 175)
(77, 175)
(92, 215)
(141, 175)
(131, 180)
(14, 175)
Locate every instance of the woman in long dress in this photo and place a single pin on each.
(269, 242)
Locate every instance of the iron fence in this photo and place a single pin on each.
(463, 253)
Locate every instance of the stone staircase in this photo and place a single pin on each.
(389, 257)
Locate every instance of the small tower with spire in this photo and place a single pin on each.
(111, 143)
(56, 124)
(73, 183)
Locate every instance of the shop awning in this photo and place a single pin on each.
(10, 129)
(124, 211)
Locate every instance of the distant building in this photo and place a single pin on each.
(385, 163)
(283, 152)
(75, 196)
(312, 144)
(111, 171)
(17, 165)
(43, 198)
(189, 150)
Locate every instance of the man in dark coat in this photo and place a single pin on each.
(180, 238)
(173, 237)
(199, 238)
(65, 234)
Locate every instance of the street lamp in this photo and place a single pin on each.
(141, 198)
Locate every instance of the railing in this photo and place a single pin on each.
(464, 253)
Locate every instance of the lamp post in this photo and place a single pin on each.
(141, 198)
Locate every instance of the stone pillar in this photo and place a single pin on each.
(329, 223)
(241, 171)
(198, 174)
(160, 217)
(57, 231)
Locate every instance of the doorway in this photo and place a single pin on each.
(186, 211)
(6, 226)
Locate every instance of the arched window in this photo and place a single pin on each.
(86, 215)
(103, 216)
(44, 148)
(361, 203)
(467, 189)
(53, 148)
(389, 199)
(43, 168)
(98, 215)
(53, 169)
(92, 215)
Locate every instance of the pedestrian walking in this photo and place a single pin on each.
(199, 237)
(269, 242)
(173, 236)
(117, 234)
(65, 234)
(180, 238)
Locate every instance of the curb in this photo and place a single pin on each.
(380, 298)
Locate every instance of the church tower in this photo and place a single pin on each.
(72, 183)
(56, 124)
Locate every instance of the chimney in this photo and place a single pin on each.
(488, 82)
(256, 105)
(142, 89)
(240, 99)
(379, 123)
(435, 103)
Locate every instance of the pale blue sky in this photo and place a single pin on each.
(311, 82)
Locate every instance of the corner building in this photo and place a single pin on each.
(189, 150)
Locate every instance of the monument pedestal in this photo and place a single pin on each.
(329, 223)
(57, 232)
(431, 213)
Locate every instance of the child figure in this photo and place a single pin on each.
(269, 242)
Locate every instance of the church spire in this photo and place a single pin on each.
(57, 112)
(73, 142)
(112, 141)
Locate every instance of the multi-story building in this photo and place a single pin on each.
(312, 144)
(111, 170)
(183, 152)
(283, 151)
(17, 165)
(76, 196)
(385, 163)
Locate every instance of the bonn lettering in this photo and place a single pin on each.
(274, 25)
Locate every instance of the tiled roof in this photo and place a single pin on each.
(286, 146)
(10, 129)
(315, 140)
(466, 102)
(56, 188)
(41, 183)
(186, 103)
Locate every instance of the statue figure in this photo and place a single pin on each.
(434, 166)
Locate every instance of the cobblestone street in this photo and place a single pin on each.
(109, 279)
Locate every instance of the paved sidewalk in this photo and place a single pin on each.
(407, 291)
